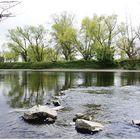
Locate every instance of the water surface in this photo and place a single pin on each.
(112, 98)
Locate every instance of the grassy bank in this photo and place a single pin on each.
(80, 64)
(50, 65)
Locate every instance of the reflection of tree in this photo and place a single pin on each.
(69, 80)
(130, 78)
(20, 95)
(28, 88)
(105, 79)
(88, 79)
(17, 90)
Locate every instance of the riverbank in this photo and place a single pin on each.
(79, 64)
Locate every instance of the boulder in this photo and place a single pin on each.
(61, 93)
(56, 103)
(79, 115)
(85, 126)
(82, 116)
(55, 98)
(40, 114)
(136, 122)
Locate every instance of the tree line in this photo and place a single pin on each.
(100, 38)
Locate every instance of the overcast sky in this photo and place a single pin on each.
(34, 12)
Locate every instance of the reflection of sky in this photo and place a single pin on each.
(34, 12)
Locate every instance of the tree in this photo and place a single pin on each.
(5, 6)
(37, 41)
(64, 35)
(86, 45)
(18, 43)
(51, 55)
(28, 38)
(127, 40)
(10, 56)
(105, 33)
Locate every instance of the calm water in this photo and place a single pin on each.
(112, 98)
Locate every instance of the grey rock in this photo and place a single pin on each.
(55, 98)
(136, 122)
(85, 126)
(39, 113)
(61, 93)
(82, 116)
(79, 115)
(56, 102)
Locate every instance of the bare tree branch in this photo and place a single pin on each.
(5, 6)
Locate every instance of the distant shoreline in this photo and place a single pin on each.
(75, 65)
(72, 70)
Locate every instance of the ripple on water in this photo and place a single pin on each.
(115, 108)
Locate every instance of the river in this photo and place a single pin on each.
(111, 97)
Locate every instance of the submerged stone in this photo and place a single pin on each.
(85, 126)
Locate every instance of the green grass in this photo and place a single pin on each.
(130, 64)
(50, 65)
(77, 64)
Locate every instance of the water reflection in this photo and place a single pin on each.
(130, 78)
(29, 88)
(105, 79)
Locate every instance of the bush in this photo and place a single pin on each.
(105, 56)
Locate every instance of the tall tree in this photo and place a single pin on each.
(18, 43)
(87, 41)
(28, 38)
(127, 40)
(64, 34)
(36, 37)
(105, 34)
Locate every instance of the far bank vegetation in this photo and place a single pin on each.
(100, 38)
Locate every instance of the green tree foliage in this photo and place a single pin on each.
(28, 38)
(10, 56)
(51, 55)
(18, 43)
(105, 34)
(86, 45)
(105, 55)
(64, 35)
(98, 38)
(37, 41)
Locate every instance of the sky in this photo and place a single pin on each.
(35, 12)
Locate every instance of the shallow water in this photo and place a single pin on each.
(112, 98)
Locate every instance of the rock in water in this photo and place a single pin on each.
(82, 116)
(85, 126)
(79, 115)
(136, 122)
(61, 93)
(56, 103)
(40, 114)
